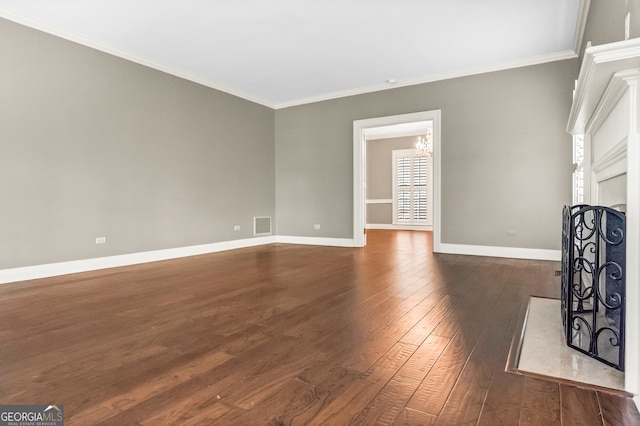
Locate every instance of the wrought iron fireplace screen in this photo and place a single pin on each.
(593, 282)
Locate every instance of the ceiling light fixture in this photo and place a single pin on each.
(391, 81)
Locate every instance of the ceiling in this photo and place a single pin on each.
(287, 52)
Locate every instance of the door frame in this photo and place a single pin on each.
(359, 169)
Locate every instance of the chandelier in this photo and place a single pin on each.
(425, 144)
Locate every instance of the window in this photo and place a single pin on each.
(411, 188)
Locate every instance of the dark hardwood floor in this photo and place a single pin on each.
(289, 334)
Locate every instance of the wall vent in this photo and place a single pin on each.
(261, 225)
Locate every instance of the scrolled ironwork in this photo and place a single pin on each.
(593, 282)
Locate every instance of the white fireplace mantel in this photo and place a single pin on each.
(596, 80)
(606, 110)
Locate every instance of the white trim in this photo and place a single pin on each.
(359, 176)
(437, 185)
(315, 241)
(583, 13)
(615, 90)
(604, 71)
(86, 265)
(359, 181)
(612, 164)
(614, 155)
(632, 330)
(49, 29)
(600, 63)
(589, 187)
(492, 251)
(559, 56)
(75, 266)
(399, 227)
(379, 201)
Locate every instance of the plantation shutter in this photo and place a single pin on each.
(403, 180)
(411, 180)
(419, 188)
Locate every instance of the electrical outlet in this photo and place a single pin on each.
(236, 228)
(316, 226)
(512, 234)
(101, 240)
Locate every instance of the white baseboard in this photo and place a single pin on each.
(316, 241)
(510, 252)
(399, 227)
(85, 265)
(76, 266)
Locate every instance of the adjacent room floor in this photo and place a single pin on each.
(290, 334)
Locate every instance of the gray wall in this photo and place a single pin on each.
(92, 145)
(379, 176)
(506, 157)
(379, 164)
(379, 214)
(606, 21)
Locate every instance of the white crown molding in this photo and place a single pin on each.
(430, 79)
(509, 252)
(581, 24)
(4, 13)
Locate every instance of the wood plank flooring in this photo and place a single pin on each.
(288, 334)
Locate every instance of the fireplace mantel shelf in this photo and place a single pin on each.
(596, 87)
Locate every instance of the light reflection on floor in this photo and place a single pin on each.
(544, 350)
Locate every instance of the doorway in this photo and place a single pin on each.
(391, 123)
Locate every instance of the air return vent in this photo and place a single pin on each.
(261, 225)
